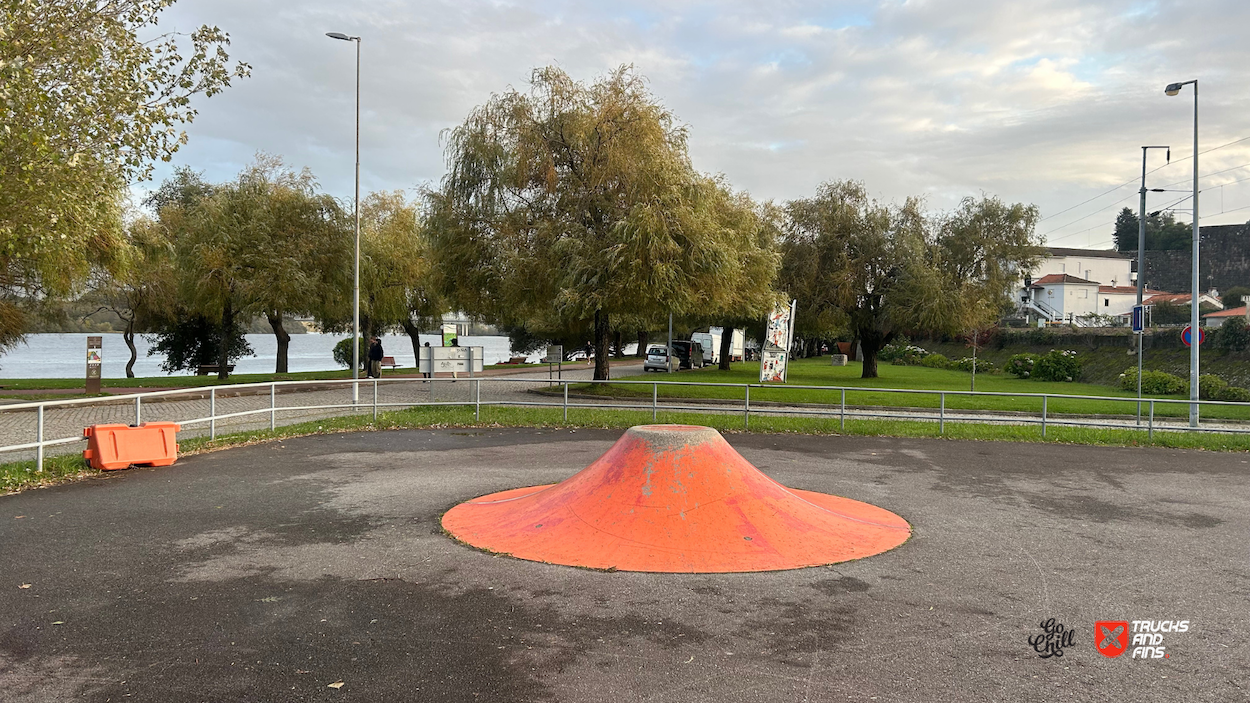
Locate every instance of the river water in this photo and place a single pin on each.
(64, 355)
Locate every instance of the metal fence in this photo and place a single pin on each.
(39, 427)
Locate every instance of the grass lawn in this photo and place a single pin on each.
(20, 475)
(819, 372)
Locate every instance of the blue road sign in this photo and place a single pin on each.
(1139, 318)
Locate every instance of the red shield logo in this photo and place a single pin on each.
(1111, 637)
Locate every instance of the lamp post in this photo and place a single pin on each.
(356, 258)
(1141, 267)
(1194, 332)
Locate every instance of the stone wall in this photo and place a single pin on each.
(1224, 262)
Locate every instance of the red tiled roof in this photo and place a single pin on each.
(1230, 312)
(1051, 279)
(1168, 298)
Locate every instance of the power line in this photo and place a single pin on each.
(1101, 209)
(1132, 180)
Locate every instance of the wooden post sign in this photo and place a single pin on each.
(94, 345)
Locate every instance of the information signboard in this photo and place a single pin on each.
(451, 360)
(94, 363)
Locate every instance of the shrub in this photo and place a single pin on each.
(1057, 365)
(1233, 394)
(903, 354)
(1233, 335)
(894, 349)
(935, 361)
(1021, 365)
(1209, 386)
(1153, 382)
(343, 352)
(965, 364)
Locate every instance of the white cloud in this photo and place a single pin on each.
(1044, 102)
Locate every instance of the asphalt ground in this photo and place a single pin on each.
(270, 572)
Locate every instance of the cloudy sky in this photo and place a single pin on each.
(1046, 101)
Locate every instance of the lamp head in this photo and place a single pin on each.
(338, 35)
(1172, 89)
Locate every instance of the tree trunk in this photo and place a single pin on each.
(642, 343)
(620, 348)
(415, 335)
(726, 347)
(223, 351)
(602, 336)
(129, 335)
(871, 343)
(284, 341)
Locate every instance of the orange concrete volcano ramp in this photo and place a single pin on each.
(675, 498)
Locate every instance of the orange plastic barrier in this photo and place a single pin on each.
(675, 498)
(119, 446)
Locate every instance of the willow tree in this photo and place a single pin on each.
(87, 106)
(575, 203)
(267, 243)
(882, 269)
(396, 290)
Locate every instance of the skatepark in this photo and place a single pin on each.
(318, 568)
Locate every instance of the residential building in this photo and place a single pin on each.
(1215, 319)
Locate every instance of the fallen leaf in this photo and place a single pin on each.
(18, 517)
(59, 622)
(25, 585)
(336, 684)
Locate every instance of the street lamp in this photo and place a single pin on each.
(356, 258)
(1141, 267)
(1194, 332)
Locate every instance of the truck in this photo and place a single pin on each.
(710, 341)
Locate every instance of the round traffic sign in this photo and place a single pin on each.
(1187, 335)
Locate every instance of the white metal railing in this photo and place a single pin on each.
(1147, 420)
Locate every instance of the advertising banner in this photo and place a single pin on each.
(778, 336)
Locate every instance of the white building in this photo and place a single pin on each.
(1071, 284)
(1107, 267)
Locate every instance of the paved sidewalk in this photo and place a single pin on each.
(271, 572)
(20, 426)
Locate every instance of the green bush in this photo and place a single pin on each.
(1233, 394)
(903, 354)
(1209, 386)
(1021, 365)
(343, 353)
(965, 365)
(935, 361)
(1153, 382)
(1057, 365)
(1233, 335)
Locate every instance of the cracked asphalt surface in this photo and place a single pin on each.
(270, 572)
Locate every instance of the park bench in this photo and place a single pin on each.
(389, 361)
(207, 369)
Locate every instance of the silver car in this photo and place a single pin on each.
(657, 359)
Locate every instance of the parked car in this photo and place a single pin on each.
(689, 354)
(657, 359)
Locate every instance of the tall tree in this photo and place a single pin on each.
(139, 291)
(1163, 232)
(576, 203)
(882, 269)
(298, 238)
(87, 106)
(981, 247)
(396, 290)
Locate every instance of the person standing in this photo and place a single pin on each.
(375, 358)
(427, 374)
